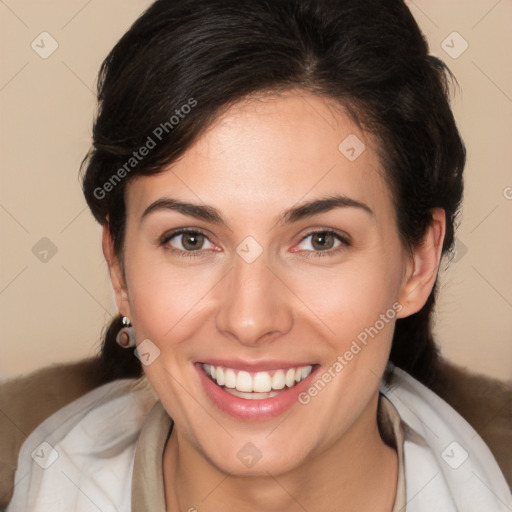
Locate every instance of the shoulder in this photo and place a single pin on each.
(27, 400)
(447, 463)
(84, 452)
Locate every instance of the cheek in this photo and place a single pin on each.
(164, 304)
(350, 298)
(164, 298)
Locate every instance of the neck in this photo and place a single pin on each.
(358, 473)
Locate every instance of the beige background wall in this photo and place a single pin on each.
(55, 294)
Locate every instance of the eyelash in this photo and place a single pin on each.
(194, 254)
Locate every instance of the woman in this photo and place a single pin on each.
(277, 184)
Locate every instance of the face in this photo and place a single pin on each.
(287, 282)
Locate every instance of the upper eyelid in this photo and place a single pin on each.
(334, 232)
(179, 231)
(166, 237)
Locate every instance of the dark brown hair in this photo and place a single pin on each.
(369, 56)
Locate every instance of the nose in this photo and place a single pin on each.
(254, 304)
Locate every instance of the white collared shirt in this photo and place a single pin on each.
(81, 459)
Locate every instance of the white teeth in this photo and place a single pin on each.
(230, 378)
(252, 396)
(260, 384)
(306, 370)
(243, 382)
(278, 380)
(219, 376)
(290, 377)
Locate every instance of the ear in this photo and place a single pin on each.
(421, 271)
(116, 273)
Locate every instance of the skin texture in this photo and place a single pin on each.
(261, 157)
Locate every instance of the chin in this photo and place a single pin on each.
(272, 459)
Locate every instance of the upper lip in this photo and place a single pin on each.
(253, 366)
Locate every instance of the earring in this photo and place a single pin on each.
(126, 337)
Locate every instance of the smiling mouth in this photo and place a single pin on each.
(257, 385)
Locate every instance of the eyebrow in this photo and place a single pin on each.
(294, 214)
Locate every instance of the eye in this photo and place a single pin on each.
(186, 241)
(322, 243)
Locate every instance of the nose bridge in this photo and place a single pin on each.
(253, 302)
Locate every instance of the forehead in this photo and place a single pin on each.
(267, 153)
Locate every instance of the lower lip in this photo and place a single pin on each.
(252, 410)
